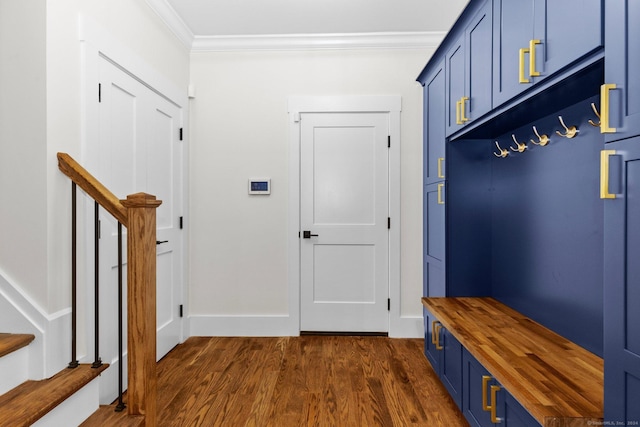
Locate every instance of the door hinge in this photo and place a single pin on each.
(99, 92)
(181, 223)
(180, 134)
(388, 304)
(389, 223)
(389, 141)
(181, 310)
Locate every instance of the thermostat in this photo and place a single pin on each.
(260, 186)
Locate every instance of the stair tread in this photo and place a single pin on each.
(106, 416)
(31, 400)
(12, 342)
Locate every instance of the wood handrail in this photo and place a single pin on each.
(138, 213)
(92, 187)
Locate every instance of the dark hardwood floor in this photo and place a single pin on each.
(302, 381)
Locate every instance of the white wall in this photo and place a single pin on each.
(238, 244)
(23, 215)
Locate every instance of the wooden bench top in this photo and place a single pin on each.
(549, 375)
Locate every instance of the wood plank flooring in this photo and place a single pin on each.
(302, 381)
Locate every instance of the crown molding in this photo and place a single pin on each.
(172, 20)
(383, 40)
(389, 40)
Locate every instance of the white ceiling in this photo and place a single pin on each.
(205, 18)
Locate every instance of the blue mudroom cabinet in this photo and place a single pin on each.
(532, 182)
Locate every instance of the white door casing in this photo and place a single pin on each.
(344, 203)
(391, 106)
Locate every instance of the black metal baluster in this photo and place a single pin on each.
(97, 362)
(120, 406)
(74, 361)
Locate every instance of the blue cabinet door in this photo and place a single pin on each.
(434, 126)
(434, 199)
(479, 64)
(433, 354)
(475, 391)
(455, 67)
(622, 284)
(513, 30)
(562, 43)
(511, 413)
(469, 64)
(451, 366)
(622, 62)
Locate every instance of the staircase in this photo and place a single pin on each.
(70, 397)
(67, 398)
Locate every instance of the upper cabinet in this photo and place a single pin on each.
(434, 125)
(533, 39)
(620, 95)
(469, 71)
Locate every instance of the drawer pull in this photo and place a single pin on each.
(458, 121)
(440, 199)
(485, 387)
(523, 79)
(604, 108)
(604, 174)
(440, 160)
(494, 418)
(435, 334)
(463, 118)
(532, 58)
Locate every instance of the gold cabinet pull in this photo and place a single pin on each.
(494, 406)
(523, 79)
(435, 334)
(440, 199)
(439, 328)
(433, 331)
(604, 108)
(440, 160)
(485, 388)
(604, 174)
(532, 58)
(458, 121)
(463, 118)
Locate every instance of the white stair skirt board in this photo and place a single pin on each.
(14, 369)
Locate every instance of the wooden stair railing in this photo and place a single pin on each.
(138, 214)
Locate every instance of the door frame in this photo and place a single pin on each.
(389, 104)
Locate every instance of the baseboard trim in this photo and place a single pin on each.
(277, 326)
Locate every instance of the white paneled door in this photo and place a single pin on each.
(140, 151)
(344, 209)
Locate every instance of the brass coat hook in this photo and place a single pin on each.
(503, 153)
(595, 110)
(542, 139)
(570, 132)
(521, 146)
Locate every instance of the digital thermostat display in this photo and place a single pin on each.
(260, 186)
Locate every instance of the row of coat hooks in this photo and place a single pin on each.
(543, 140)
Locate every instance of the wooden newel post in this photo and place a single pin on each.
(141, 307)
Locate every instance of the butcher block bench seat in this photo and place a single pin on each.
(551, 377)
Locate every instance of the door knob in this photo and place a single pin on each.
(307, 234)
